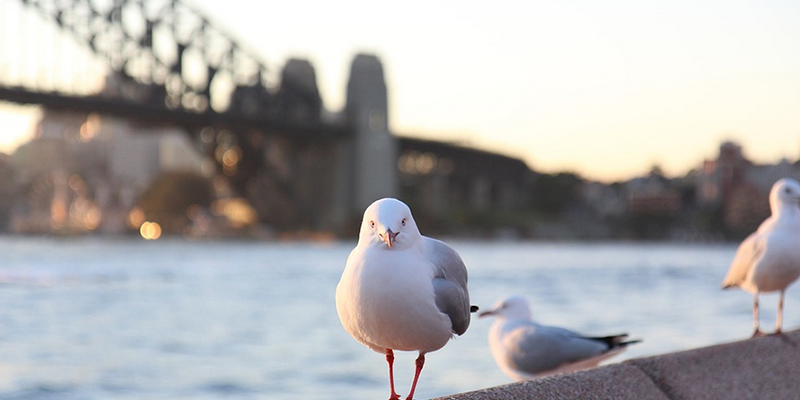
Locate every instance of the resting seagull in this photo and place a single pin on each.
(525, 350)
(769, 259)
(401, 290)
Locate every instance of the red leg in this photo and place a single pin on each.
(779, 323)
(756, 317)
(420, 362)
(390, 360)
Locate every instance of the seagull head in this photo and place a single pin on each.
(512, 307)
(388, 222)
(785, 191)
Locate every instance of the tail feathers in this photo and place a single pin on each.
(629, 342)
(616, 341)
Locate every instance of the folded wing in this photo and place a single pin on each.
(449, 283)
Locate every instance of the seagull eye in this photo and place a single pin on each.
(403, 222)
(787, 190)
(372, 224)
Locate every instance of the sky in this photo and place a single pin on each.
(604, 89)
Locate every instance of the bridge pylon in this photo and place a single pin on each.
(369, 155)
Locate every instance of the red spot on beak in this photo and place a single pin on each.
(388, 237)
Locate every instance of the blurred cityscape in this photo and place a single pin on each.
(155, 122)
(87, 174)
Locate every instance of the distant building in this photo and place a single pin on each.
(652, 195)
(739, 188)
(717, 178)
(762, 177)
(85, 172)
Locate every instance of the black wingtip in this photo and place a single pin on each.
(629, 342)
(615, 341)
(473, 309)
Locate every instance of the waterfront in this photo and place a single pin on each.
(95, 318)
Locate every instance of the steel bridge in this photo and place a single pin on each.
(164, 63)
(171, 62)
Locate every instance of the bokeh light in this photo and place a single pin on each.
(150, 230)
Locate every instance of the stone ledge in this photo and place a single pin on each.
(761, 368)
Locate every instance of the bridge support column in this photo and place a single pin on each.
(370, 157)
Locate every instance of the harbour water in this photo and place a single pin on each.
(98, 318)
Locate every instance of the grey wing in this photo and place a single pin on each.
(449, 283)
(535, 349)
(748, 253)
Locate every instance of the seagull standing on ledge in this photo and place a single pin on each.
(525, 350)
(769, 259)
(401, 290)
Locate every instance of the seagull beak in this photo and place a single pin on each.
(487, 314)
(388, 237)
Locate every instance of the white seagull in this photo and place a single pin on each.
(769, 259)
(401, 290)
(525, 350)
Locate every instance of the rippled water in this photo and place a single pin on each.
(95, 318)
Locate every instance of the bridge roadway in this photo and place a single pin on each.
(154, 114)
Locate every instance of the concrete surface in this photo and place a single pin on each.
(760, 368)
